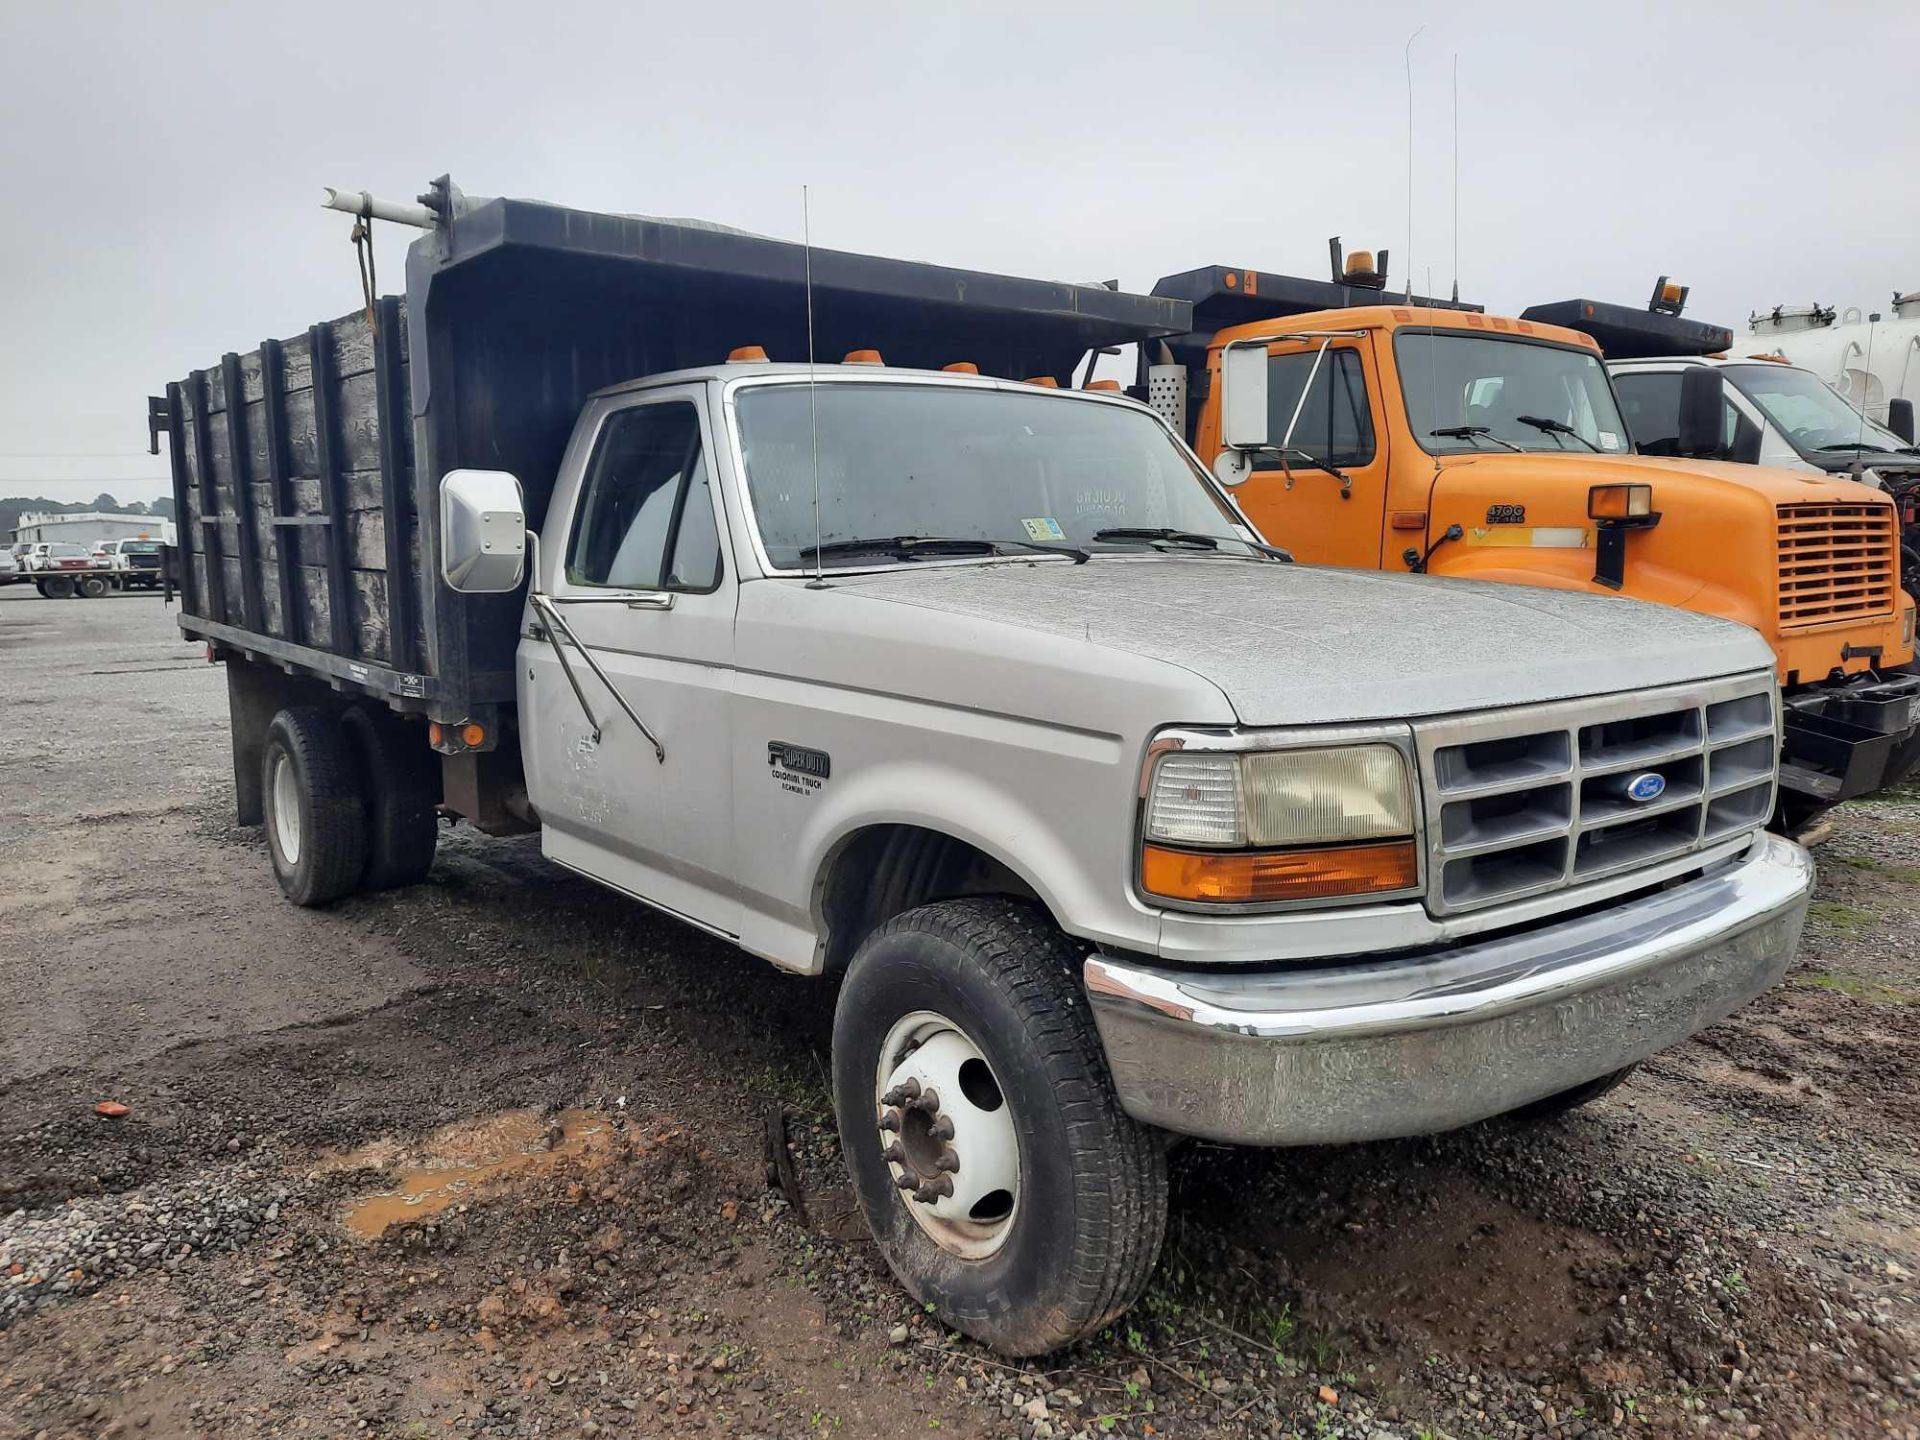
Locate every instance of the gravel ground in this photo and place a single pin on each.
(573, 1092)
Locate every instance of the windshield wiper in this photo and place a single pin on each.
(1468, 432)
(1557, 427)
(1152, 535)
(907, 547)
(1850, 445)
(1147, 532)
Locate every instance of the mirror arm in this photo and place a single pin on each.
(556, 627)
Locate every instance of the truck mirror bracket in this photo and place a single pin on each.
(558, 627)
(1610, 560)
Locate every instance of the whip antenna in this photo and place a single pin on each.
(813, 413)
(1409, 61)
(1456, 177)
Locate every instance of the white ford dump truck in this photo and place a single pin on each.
(976, 694)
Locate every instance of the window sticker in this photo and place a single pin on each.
(1044, 528)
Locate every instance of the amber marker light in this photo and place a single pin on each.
(435, 732)
(747, 355)
(863, 357)
(473, 736)
(1619, 502)
(1316, 873)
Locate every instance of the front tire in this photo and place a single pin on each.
(1552, 1107)
(1065, 1197)
(315, 816)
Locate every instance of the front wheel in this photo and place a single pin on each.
(1552, 1107)
(1004, 1184)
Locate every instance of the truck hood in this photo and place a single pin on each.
(1300, 644)
(1775, 485)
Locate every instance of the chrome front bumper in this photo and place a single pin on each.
(1330, 1055)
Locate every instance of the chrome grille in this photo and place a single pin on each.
(1836, 562)
(1530, 800)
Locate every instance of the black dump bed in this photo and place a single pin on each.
(306, 471)
(1223, 297)
(1625, 333)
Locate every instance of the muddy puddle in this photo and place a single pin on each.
(466, 1161)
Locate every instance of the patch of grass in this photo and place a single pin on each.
(1845, 920)
(1872, 991)
(1904, 874)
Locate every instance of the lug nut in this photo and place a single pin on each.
(894, 1153)
(927, 1100)
(938, 1188)
(907, 1182)
(948, 1161)
(941, 1129)
(890, 1120)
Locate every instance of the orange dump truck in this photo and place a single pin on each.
(1360, 429)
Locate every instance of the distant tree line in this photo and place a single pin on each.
(12, 507)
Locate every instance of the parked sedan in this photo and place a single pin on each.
(57, 555)
(9, 567)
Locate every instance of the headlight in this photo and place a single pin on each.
(1279, 825)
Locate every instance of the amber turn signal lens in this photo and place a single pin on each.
(1619, 502)
(473, 736)
(435, 733)
(1311, 874)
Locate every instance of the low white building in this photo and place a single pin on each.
(86, 527)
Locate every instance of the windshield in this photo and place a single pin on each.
(1811, 415)
(66, 551)
(139, 547)
(1493, 393)
(961, 462)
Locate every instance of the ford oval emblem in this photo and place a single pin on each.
(1646, 787)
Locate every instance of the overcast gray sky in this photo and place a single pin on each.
(163, 162)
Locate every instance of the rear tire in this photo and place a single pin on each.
(1552, 1107)
(92, 587)
(401, 800)
(315, 816)
(57, 587)
(1067, 1241)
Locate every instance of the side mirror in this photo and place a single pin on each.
(1900, 418)
(483, 532)
(1703, 411)
(1243, 413)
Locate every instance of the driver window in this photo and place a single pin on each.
(1335, 424)
(647, 499)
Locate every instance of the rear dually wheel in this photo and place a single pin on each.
(315, 813)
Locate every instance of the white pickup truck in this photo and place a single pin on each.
(978, 695)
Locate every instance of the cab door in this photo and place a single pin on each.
(1330, 408)
(638, 579)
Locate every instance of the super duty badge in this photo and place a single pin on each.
(796, 767)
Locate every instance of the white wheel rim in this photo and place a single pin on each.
(286, 809)
(947, 1132)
